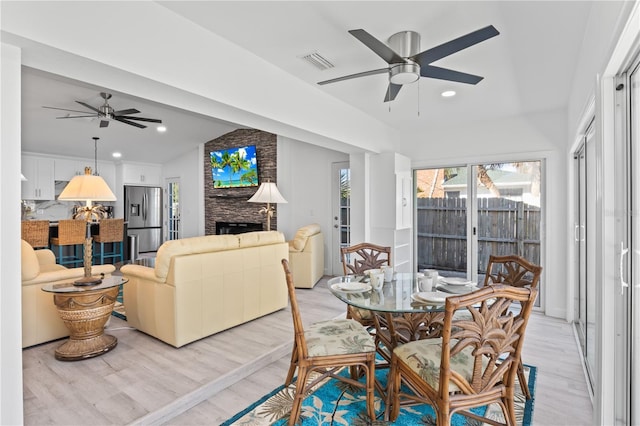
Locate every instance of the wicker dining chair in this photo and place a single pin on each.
(357, 259)
(327, 347)
(109, 231)
(515, 271)
(36, 233)
(71, 232)
(473, 364)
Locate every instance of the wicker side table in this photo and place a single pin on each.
(85, 310)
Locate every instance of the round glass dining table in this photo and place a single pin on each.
(401, 295)
(401, 312)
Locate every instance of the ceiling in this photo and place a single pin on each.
(43, 132)
(527, 68)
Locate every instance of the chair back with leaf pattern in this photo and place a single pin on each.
(493, 338)
(512, 270)
(360, 257)
(515, 271)
(357, 259)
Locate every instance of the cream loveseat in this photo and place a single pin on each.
(203, 285)
(40, 320)
(306, 256)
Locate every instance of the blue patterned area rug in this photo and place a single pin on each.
(337, 403)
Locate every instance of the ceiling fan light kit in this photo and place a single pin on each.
(406, 64)
(404, 73)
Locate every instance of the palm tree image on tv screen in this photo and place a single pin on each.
(234, 167)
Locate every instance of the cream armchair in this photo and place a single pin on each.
(40, 320)
(306, 256)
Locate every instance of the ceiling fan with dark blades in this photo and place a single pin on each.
(106, 113)
(407, 65)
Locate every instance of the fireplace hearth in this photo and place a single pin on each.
(223, 228)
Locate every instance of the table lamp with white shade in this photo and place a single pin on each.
(267, 193)
(88, 188)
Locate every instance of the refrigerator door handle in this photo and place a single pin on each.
(144, 207)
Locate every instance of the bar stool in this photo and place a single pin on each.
(110, 231)
(36, 233)
(71, 232)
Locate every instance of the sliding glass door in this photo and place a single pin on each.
(441, 220)
(630, 249)
(508, 212)
(466, 213)
(585, 249)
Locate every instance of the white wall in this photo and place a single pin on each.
(304, 175)
(188, 168)
(10, 290)
(605, 24)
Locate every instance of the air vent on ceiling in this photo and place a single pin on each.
(318, 61)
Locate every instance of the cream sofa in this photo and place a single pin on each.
(202, 285)
(40, 320)
(306, 256)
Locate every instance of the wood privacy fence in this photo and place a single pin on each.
(504, 227)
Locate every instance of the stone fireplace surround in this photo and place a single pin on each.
(230, 204)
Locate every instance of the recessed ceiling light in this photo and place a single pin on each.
(161, 128)
(448, 93)
(116, 155)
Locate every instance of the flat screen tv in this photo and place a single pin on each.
(234, 167)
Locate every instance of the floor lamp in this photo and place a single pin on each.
(88, 188)
(267, 193)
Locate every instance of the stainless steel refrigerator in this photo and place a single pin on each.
(143, 213)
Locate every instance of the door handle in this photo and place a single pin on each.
(335, 226)
(623, 253)
(144, 207)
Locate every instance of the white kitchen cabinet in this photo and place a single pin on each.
(39, 172)
(141, 174)
(66, 169)
(107, 170)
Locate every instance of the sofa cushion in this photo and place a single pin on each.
(30, 264)
(260, 238)
(208, 243)
(300, 239)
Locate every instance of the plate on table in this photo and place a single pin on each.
(456, 281)
(458, 289)
(430, 297)
(351, 287)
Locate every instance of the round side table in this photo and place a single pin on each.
(85, 310)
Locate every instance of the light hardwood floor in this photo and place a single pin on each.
(144, 381)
